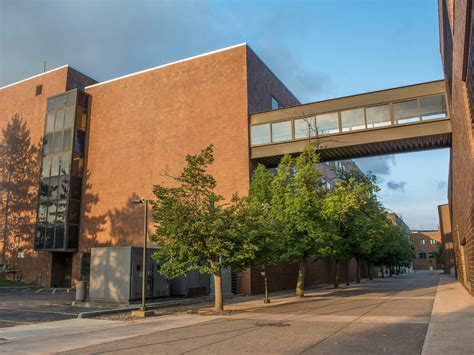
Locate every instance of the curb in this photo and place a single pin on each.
(151, 306)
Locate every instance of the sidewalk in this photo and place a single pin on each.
(54, 337)
(451, 327)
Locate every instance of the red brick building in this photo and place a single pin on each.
(457, 49)
(426, 244)
(110, 142)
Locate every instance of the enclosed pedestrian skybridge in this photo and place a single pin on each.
(403, 119)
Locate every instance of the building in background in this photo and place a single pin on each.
(398, 221)
(446, 239)
(457, 51)
(426, 244)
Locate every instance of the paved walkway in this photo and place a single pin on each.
(451, 328)
(391, 315)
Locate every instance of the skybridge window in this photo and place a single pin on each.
(378, 116)
(281, 131)
(433, 107)
(353, 120)
(305, 127)
(328, 123)
(260, 134)
(406, 112)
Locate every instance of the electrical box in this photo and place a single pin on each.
(116, 275)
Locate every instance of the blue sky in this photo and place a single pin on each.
(320, 49)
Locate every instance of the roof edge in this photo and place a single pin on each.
(168, 64)
(34, 76)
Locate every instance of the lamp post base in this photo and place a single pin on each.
(143, 314)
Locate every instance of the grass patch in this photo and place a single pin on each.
(11, 283)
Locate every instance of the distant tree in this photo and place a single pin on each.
(195, 229)
(352, 191)
(19, 179)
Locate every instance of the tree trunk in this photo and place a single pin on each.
(397, 270)
(369, 270)
(218, 304)
(5, 229)
(358, 271)
(383, 275)
(347, 273)
(301, 274)
(390, 271)
(336, 275)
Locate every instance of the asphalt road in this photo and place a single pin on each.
(382, 316)
(27, 306)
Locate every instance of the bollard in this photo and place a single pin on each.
(80, 291)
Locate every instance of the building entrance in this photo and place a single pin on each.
(61, 270)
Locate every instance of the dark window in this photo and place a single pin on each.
(421, 255)
(74, 211)
(39, 90)
(49, 238)
(59, 237)
(39, 237)
(79, 141)
(76, 188)
(72, 237)
(432, 255)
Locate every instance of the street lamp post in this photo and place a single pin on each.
(145, 239)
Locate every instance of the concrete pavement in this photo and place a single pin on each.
(390, 315)
(451, 327)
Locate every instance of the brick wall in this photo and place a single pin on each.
(446, 238)
(427, 247)
(462, 152)
(20, 98)
(142, 127)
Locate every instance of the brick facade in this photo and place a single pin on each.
(455, 39)
(446, 238)
(141, 127)
(426, 247)
(20, 98)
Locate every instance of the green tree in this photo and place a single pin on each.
(260, 225)
(352, 191)
(196, 229)
(296, 209)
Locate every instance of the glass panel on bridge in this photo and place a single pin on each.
(281, 131)
(432, 107)
(406, 112)
(305, 127)
(260, 134)
(353, 119)
(328, 123)
(378, 116)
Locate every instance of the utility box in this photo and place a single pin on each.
(116, 275)
(193, 284)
